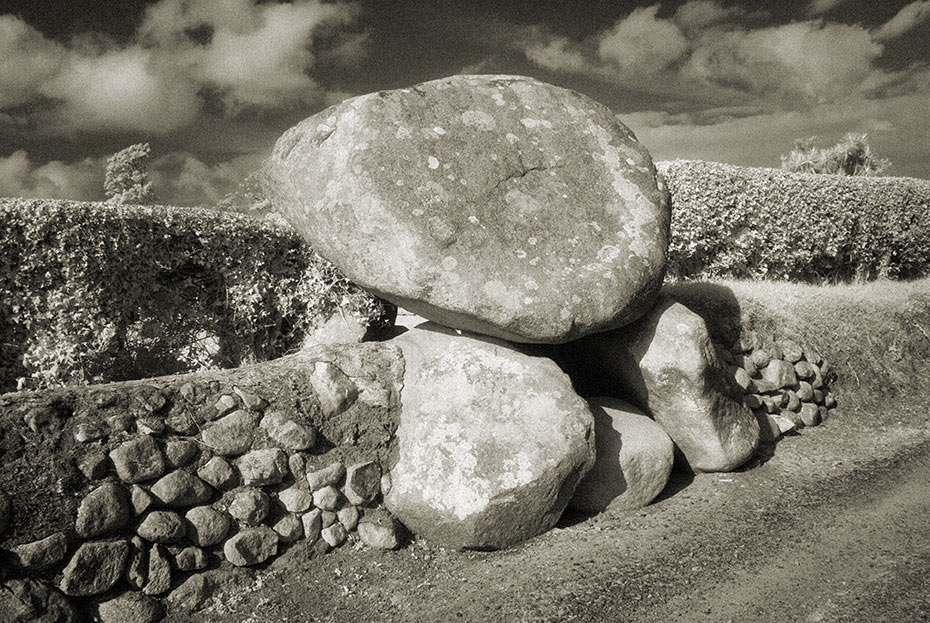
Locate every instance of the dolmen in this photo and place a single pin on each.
(511, 213)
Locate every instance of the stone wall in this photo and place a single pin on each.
(140, 486)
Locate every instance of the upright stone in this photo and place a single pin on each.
(492, 442)
(667, 364)
(103, 510)
(634, 459)
(496, 204)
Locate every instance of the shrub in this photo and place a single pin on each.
(851, 156)
(92, 292)
(738, 222)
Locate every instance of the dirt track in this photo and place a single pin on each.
(833, 526)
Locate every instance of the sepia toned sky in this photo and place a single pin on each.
(211, 84)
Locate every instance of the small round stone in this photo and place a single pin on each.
(218, 473)
(263, 467)
(289, 528)
(295, 500)
(207, 526)
(249, 505)
(251, 546)
(103, 510)
(334, 535)
(332, 474)
(162, 527)
(138, 459)
(180, 488)
(328, 498)
(348, 517)
(190, 559)
(180, 452)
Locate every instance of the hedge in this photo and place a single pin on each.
(738, 222)
(93, 292)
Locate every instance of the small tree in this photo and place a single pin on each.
(127, 180)
(851, 156)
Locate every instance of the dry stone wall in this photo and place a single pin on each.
(138, 486)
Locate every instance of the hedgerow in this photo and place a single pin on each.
(738, 222)
(91, 292)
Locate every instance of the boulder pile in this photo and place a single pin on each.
(529, 225)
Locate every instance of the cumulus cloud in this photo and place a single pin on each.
(705, 52)
(178, 178)
(241, 54)
(911, 16)
(20, 177)
(819, 7)
(642, 44)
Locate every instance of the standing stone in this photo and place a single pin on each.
(287, 432)
(159, 577)
(232, 434)
(492, 442)
(363, 482)
(137, 566)
(496, 204)
(251, 546)
(41, 554)
(667, 364)
(218, 473)
(180, 488)
(103, 510)
(138, 459)
(207, 526)
(162, 527)
(94, 568)
(130, 607)
(262, 467)
(634, 459)
(810, 414)
(140, 499)
(334, 389)
(313, 523)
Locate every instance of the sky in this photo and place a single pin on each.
(210, 85)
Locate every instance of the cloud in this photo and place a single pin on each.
(642, 44)
(819, 7)
(178, 178)
(233, 55)
(27, 62)
(19, 177)
(696, 15)
(810, 61)
(911, 16)
(706, 54)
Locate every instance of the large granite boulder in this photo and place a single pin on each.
(667, 364)
(634, 459)
(495, 204)
(491, 442)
